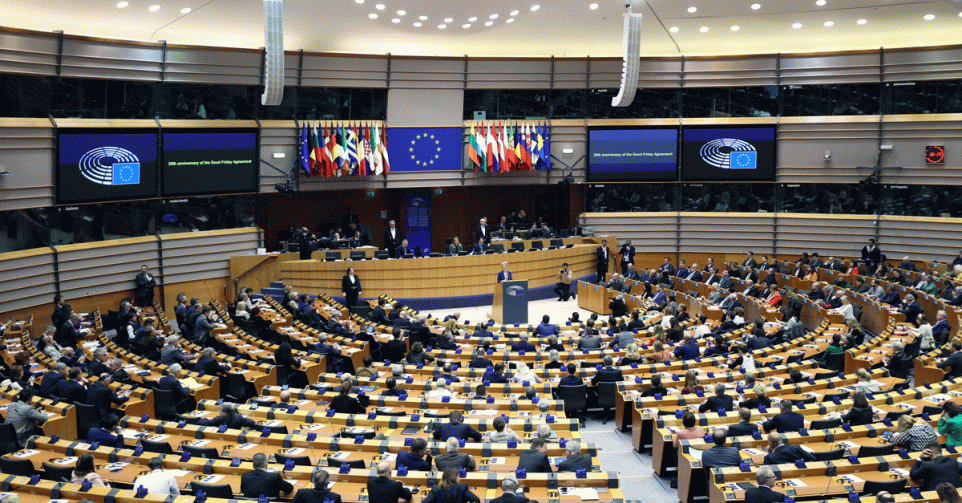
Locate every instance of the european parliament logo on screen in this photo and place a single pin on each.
(110, 166)
(728, 154)
(103, 165)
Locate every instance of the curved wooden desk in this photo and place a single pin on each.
(442, 276)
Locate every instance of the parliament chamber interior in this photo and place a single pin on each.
(674, 252)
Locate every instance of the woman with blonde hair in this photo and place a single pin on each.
(451, 325)
(632, 355)
(657, 334)
(846, 309)
(865, 382)
(913, 435)
(522, 373)
(761, 398)
(925, 332)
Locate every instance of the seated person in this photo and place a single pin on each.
(574, 459)
(720, 401)
(571, 379)
(344, 403)
(109, 434)
(453, 458)
(786, 421)
(455, 428)
(228, 416)
(417, 459)
(780, 451)
(861, 412)
(535, 459)
(501, 432)
(261, 481)
(523, 344)
(319, 493)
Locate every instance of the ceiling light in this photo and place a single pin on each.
(535, 7)
(402, 12)
(928, 17)
(185, 10)
(418, 25)
(489, 23)
(703, 29)
(448, 20)
(593, 6)
(756, 6)
(736, 27)
(515, 13)
(820, 2)
(960, 14)
(122, 5)
(673, 29)
(796, 25)
(423, 18)
(154, 8)
(862, 21)
(372, 15)
(466, 26)
(379, 6)
(442, 26)
(359, 1)
(692, 9)
(829, 24)
(396, 20)
(472, 19)
(493, 16)
(509, 20)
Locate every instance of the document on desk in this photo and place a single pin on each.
(294, 451)
(794, 483)
(497, 461)
(340, 456)
(246, 447)
(66, 461)
(751, 451)
(695, 453)
(212, 479)
(199, 443)
(585, 493)
(851, 479)
(158, 438)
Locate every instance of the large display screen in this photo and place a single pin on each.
(209, 161)
(722, 154)
(619, 154)
(100, 165)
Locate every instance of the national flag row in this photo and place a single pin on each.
(343, 149)
(499, 147)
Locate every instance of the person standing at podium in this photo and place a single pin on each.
(604, 254)
(505, 274)
(350, 287)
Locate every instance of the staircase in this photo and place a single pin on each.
(276, 291)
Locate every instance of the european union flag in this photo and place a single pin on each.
(425, 149)
(744, 160)
(126, 173)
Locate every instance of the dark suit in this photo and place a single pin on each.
(479, 249)
(171, 383)
(694, 276)
(873, 256)
(482, 232)
(479, 363)
(392, 243)
(459, 431)
(935, 471)
(785, 422)
(144, 293)
(618, 307)
(202, 328)
(574, 462)
(71, 391)
(311, 495)
(378, 315)
(627, 256)
(955, 361)
(787, 454)
(69, 335)
(209, 366)
(385, 490)
(96, 367)
(511, 498)
(763, 494)
(59, 316)
(412, 462)
(534, 461)
(607, 374)
(603, 254)
(502, 276)
(716, 402)
(104, 437)
(270, 484)
(741, 428)
(102, 398)
(351, 289)
(911, 311)
(494, 378)
(720, 456)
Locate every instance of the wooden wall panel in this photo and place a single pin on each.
(731, 72)
(89, 58)
(88, 269)
(909, 135)
(809, 69)
(828, 234)
(27, 152)
(195, 256)
(207, 65)
(340, 70)
(27, 52)
(26, 279)
(727, 232)
(920, 238)
(204, 289)
(802, 142)
(922, 64)
(649, 232)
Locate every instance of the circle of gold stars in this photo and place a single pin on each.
(429, 162)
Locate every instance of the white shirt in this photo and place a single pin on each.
(748, 362)
(437, 394)
(393, 232)
(159, 482)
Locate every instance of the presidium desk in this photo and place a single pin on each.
(439, 277)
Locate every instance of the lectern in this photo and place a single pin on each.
(510, 302)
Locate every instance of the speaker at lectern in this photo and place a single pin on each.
(510, 302)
